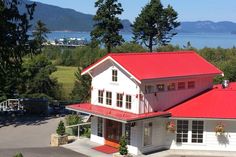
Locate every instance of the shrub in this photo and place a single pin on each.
(18, 155)
(61, 128)
(72, 119)
(123, 149)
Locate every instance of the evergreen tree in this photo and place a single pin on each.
(155, 25)
(61, 128)
(107, 24)
(18, 155)
(123, 146)
(14, 26)
(40, 35)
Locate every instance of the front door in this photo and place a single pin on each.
(113, 133)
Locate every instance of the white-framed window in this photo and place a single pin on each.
(160, 87)
(182, 131)
(128, 101)
(147, 134)
(114, 75)
(149, 89)
(100, 96)
(181, 85)
(197, 131)
(171, 86)
(108, 98)
(119, 100)
(191, 84)
(100, 127)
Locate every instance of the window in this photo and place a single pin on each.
(114, 75)
(197, 131)
(149, 88)
(181, 85)
(147, 134)
(100, 126)
(119, 100)
(128, 132)
(128, 101)
(160, 87)
(182, 131)
(191, 84)
(100, 96)
(108, 98)
(171, 86)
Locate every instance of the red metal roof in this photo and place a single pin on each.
(161, 64)
(217, 103)
(113, 113)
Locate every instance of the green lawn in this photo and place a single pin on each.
(65, 76)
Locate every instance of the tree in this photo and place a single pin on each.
(123, 149)
(155, 25)
(40, 35)
(15, 43)
(35, 79)
(107, 24)
(61, 128)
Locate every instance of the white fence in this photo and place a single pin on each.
(11, 105)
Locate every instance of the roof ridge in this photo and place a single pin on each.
(150, 53)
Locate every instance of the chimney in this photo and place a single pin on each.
(225, 83)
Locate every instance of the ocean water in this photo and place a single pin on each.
(197, 40)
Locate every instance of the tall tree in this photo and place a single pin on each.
(155, 25)
(40, 34)
(14, 26)
(107, 24)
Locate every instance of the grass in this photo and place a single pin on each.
(65, 76)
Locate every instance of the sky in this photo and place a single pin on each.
(188, 10)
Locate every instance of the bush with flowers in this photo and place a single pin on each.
(170, 126)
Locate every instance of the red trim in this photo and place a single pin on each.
(113, 113)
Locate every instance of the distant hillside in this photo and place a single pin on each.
(62, 19)
(207, 27)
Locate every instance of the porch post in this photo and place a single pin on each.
(78, 131)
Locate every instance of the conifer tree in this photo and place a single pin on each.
(107, 24)
(155, 25)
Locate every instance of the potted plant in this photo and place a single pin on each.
(18, 155)
(123, 149)
(170, 126)
(60, 137)
(220, 129)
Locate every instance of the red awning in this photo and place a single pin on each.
(114, 114)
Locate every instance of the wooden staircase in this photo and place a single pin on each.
(11, 105)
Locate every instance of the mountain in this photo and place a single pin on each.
(63, 19)
(207, 27)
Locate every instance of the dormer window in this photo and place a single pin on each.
(171, 86)
(114, 75)
(191, 84)
(160, 87)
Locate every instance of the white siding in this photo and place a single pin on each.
(211, 140)
(159, 101)
(102, 80)
(94, 129)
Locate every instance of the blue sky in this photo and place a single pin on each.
(188, 10)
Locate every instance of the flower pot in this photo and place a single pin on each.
(57, 140)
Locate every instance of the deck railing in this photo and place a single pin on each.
(11, 105)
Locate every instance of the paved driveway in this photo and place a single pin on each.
(27, 132)
(40, 152)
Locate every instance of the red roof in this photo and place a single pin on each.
(113, 113)
(217, 103)
(160, 64)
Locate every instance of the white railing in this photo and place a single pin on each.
(78, 125)
(11, 105)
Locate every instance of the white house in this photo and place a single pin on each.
(163, 100)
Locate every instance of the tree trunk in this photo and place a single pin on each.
(150, 44)
(108, 48)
